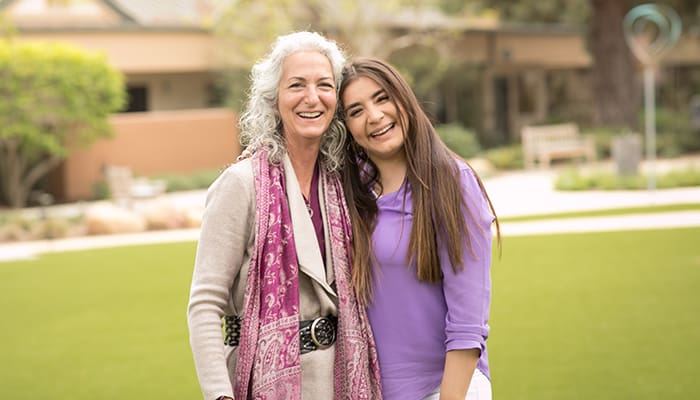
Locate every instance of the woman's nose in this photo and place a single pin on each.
(311, 95)
(375, 114)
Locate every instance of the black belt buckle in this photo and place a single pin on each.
(317, 334)
(323, 332)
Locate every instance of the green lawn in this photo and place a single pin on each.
(101, 324)
(605, 316)
(597, 316)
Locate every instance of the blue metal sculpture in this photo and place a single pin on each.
(650, 31)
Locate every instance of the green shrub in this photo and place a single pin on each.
(21, 228)
(675, 133)
(193, 181)
(100, 190)
(459, 139)
(177, 183)
(668, 145)
(571, 179)
(203, 179)
(506, 157)
(603, 137)
(681, 178)
(52, 228)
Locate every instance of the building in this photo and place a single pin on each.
(170, 63)
(522, 73)
(171, 60)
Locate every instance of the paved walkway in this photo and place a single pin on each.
(513, 194)
(528, 193)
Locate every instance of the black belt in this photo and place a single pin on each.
(314, 334)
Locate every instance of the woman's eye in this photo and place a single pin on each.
(295, 85)
(382, 99)
(354, 113)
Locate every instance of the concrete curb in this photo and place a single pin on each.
(666, 220)
(32, 249)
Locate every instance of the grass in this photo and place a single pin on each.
(606, 212)
(604, 315)
(100, 324)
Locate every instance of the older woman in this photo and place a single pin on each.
(272, 259)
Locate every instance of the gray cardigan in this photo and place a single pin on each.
(221, 267)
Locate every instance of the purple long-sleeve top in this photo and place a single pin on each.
(416, 323)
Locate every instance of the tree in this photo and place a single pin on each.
(253, 24)
(51, 96)
(249, 26)
(615, 82)
(7, 29)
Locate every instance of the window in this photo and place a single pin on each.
(137, 99)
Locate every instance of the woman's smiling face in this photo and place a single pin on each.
(307, 98)
(373, 120)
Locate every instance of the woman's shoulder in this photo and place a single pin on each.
(468, 177)
(240, 172)
(236, 179)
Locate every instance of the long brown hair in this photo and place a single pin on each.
(434, 179)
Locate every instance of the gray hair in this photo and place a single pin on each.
(260, 121)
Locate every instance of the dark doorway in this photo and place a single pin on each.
(138, 99)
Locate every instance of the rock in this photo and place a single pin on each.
(163, 214)
(193, 217)
(107, 219)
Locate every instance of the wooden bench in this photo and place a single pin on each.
(544, 143)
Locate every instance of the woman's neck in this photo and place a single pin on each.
(392, 173)
(304, 162)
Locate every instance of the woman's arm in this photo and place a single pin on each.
(226, 229)
(467, 295)
(459, 368)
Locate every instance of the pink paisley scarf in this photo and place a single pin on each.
(268, 365)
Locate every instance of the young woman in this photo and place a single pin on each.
(421, 241)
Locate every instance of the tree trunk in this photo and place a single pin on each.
(614, 72)
(16, 179)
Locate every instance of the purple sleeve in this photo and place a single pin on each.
(468, 292)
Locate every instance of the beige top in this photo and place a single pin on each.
(221, 267)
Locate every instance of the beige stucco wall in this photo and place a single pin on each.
(177, 67)
(154, 143)
(42, 13)
(546, 50)
(142, 52)
(178, 91)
